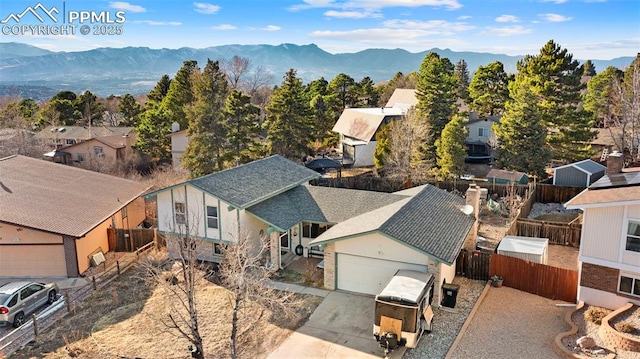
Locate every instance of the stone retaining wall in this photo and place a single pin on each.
(614, 338)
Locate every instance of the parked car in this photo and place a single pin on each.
(20, 299)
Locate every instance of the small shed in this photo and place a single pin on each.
(506, 177)
(528, 248)
(578, 174)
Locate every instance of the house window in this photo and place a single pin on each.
(70, 142)
(80, 157)
(98, 151)
(483, 132)
(629, 284)
(633, 236)
(180, 212)
(212, 217)
(124, 212)
(313, 230)
(217, 248)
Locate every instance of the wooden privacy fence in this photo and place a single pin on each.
(473, 264)
(535, 278)
(123, 240)
(548, 193)
(557, 232)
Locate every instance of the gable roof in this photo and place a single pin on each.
(473, 118)
(58, 198)
(587, 166)
(319, 205)
(362, 123)
(431, 221)
(81, 132)
(403, 98)
(506, 175)
(598, 196)
(251, 183)
(114, 142)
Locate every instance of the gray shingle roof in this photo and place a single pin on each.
(590, 166)
(431, 222)
(81, 132)
(251, 183)
(319, 204)
(58, 198)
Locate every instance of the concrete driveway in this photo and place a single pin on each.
(340, 327)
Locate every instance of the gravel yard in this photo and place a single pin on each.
(512, 324)
(447, 322)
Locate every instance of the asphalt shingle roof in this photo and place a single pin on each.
(81, 132)
(320, 205)
(254, 182)
(58, 198)
(430, 221)
(590, 166)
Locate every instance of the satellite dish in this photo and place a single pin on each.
(467, 209)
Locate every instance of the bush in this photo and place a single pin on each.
(595, 315)
(625, 327)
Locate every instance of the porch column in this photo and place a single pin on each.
(330, 266)
(274, 248)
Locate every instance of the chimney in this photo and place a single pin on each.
(615, 163)
(473, 199)
(175, 127)
(126, 144)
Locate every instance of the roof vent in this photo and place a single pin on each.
(62, 129)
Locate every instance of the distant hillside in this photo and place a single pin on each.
(135, 70)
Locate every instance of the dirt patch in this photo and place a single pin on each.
(123, 320)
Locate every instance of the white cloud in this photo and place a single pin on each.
(352, 14)
(554, 17)
(507, 31)
(224, 27)
(271, 28)
(121, 5)
(507, 18)
(158, 23)
(556, 1)
(433, 26)
(206, 8)
(375, 4)
(464, 17)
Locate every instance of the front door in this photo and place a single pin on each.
(285, 243)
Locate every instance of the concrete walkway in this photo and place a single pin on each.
(297, 288)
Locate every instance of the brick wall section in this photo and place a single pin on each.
(70, 256)
(599, 277)
(330, 266)
(274, 248)
(615, 339)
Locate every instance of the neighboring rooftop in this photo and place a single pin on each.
(60, 199)
(514, 176)
(586, 166)
(403, 98)
(611, 189)
(81, 132)
(362, 123)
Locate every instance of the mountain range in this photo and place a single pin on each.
(29, 71)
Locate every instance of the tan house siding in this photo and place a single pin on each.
(602, 233)
(135, 215)
(12, 234)
(87, 150)
(91, 242)
(330, 266)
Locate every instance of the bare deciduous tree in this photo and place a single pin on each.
(625, 111)
(244, 274)
(235, 68)
(404, 133)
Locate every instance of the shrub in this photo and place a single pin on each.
(595, 315)
(625, 327)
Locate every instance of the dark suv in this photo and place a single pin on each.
(20, 299)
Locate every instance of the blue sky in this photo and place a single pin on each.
(589, 29)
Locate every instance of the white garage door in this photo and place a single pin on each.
(32, 261)
(368, 275)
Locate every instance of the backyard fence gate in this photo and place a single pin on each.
(473, 264)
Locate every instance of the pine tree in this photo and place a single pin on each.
(180, 93)
(130, 110)
(521, 133)
(489, 89)
(207, 131)
(451, 149)
(588, 69)
(461, 73)
(152, 134)
(289, 119)
(555, 79)
(383, 145)
(158, 93)
(436, 93)
(597, 100)
(242, 121)
(368, 94)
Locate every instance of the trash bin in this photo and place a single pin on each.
(449, 294)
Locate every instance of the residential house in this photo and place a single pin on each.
(579, 174)
(371, 234)
(609, 259)
(179, 141)
(403, 98)
(110, 148)
(480, 139)
(53, 218)
(14, 141)
(506, 177)
(62, 136)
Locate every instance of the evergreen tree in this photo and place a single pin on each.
(207, 131)
(368, 95)
(383, 145)
(89, 108)
(324, 115)
(451, 149)
(289, 119)
(597, 100)
(152, 134)
(489, 89)
(521, 133)
(242, 121)
(29, 110)
(555, 79)
(158, 93)
(130, 110)
(461, 73)
(64, 104)
(436, 93)
(588, 69)
(345, 91)
(180, 93)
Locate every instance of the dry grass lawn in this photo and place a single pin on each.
(122, 321)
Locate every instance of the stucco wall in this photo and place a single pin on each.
(364, 154)
(473, 131)
(178, 145)
(135, 215)
(96, 238)
(11, 234)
